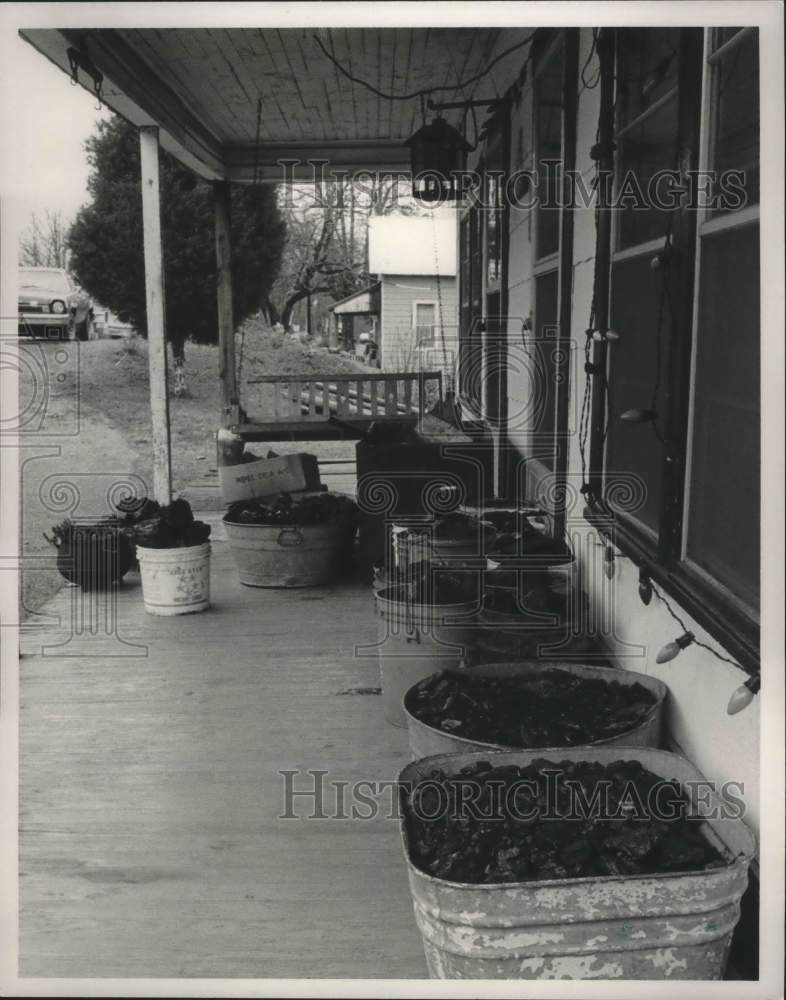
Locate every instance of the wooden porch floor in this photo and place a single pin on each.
(150, 843)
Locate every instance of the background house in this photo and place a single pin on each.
(412, 309)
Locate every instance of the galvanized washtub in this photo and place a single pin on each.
(425, 739)
(669, 926)
(305, 555)
(416, 640)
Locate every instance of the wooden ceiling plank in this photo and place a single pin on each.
(392, 84)
(275, 84)
(159, 47)
(344, 85)
(297, 118)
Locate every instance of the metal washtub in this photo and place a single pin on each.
(663, 926)
(305, 555)
(416, 640)
(425, 739)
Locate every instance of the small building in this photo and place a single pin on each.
(408, 319)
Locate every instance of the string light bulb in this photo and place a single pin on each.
(608, 562)
(674, 648)
(611, 335)
(645, 587)
(638, 416)
(744, 695)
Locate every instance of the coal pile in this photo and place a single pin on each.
(522, 824)
(92, 556)
(152, 526)
(553, 708)
(286, 509)
(435, 585)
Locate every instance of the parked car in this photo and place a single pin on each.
(50, 305)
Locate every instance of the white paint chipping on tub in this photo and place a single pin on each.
(638, 934)
(532, 964)
(664, 959)
(525, 940)
(581, 967)
(601, 938)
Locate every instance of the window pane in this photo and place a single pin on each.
(648, 148)
(548, 115)
(493, 228)
(465, 256)
(543, 362)
(647, 66)
(722, 35)
(425, 318)
(723, 525)
(635, 448)
(736, 126)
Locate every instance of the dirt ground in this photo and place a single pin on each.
(86, 419)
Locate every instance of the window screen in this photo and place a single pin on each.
(723, 526)
(637, 303)
(546, 346)
(548, 144)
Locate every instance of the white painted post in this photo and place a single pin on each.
(156, 331)
(226, 322)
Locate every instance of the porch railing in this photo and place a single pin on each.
(362, 396)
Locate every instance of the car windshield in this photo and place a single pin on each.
(45, 281)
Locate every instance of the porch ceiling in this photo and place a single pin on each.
(201, 86)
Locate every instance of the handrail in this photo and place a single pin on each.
(346, 377)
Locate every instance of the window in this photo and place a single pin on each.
(547, 344)
(682, 409)
(722, 539)
(424, 321)
(471, 308)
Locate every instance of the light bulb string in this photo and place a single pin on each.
(686, 630)
(643, 574)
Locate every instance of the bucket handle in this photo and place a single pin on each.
(289, 538)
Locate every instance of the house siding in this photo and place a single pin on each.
(399, 292)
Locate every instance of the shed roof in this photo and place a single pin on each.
(364, 301)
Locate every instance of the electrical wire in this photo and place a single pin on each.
(684, 627)
(424, 91)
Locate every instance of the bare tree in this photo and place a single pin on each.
(327, 237)
(43, 242)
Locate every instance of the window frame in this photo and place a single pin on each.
(435, 326)
(560, 262)
(706, 599)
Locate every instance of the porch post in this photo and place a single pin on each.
(230, 408)
(154, 297)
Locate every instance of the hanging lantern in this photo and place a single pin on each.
(438, 153)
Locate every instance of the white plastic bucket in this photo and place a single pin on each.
(175, 581)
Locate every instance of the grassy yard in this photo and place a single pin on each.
(114, 431)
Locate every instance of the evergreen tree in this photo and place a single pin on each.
(106, 245)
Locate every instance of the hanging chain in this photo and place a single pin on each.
(255, 180)
(439, 304)
(256, 140)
